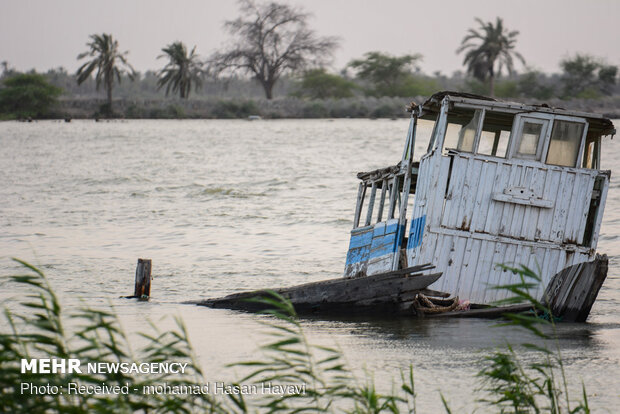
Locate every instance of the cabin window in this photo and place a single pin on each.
(495, 134)
(530, 138)
(591, 152)
(425, 132)
(461, 129)
(565, 143)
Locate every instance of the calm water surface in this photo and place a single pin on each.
(225, 206)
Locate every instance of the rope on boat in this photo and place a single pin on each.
(430, 305)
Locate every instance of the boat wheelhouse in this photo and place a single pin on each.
(500, 183)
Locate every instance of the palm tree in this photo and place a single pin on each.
(182, 70)
(107, 60)
(485, 47)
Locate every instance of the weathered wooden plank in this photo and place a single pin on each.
(393, 196)
(436, 293)
(482, 201)
(437, 191)
(455, 191)
(442, 256)
(598, 276)
(519, 229)
(459, 265)
(406, 271)
(428, 248)
(561, 206)
(503, 239)
(588, 189)
(470, 261)
(545, 217)
(530, 220)
(601, 209)
(419, 207)
(483, 270)
(496, 209)
(509, 208)
(461, 170)
(572, 291)
(384, 187)
(583, 218)
(371, 204)
(434, 252)
(504, 255)
(561, 261)
(455, 265)
(470, 190)
(516, 224)
(572, 275)
(571, 206)
(520, 204)
(353, 290)
(402, 214)
(333, 293)
(379, 265)
(361, 191)
(535, 263)
(142, 288)
(550, 263)
(487, 313)
(476, 267)
(574, 210)
(493, 184)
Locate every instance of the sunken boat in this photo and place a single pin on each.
(501, 183)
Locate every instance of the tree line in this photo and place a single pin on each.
(273, 44)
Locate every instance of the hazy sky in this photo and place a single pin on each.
(43, 34)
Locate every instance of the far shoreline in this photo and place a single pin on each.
(69, 108)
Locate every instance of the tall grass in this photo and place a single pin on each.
(510, 385)
(41, 333)
(506, 385)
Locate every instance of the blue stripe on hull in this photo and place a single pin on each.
(357, 255)
(391, 228)
(379, 230)
(382, 240)
(416, 232)
(359, 240)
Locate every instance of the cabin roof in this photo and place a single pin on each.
(598, 123)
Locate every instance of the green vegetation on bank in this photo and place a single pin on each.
(27, 95)
(42, 329)
(315, 93)
(389, 75)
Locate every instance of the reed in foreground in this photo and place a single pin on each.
(506, 384)
(512, 386)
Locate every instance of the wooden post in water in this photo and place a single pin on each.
(143, 279)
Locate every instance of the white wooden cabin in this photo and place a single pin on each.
(500, 183)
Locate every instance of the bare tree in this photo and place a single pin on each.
(271, 39)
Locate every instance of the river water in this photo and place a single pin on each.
(224, 206)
